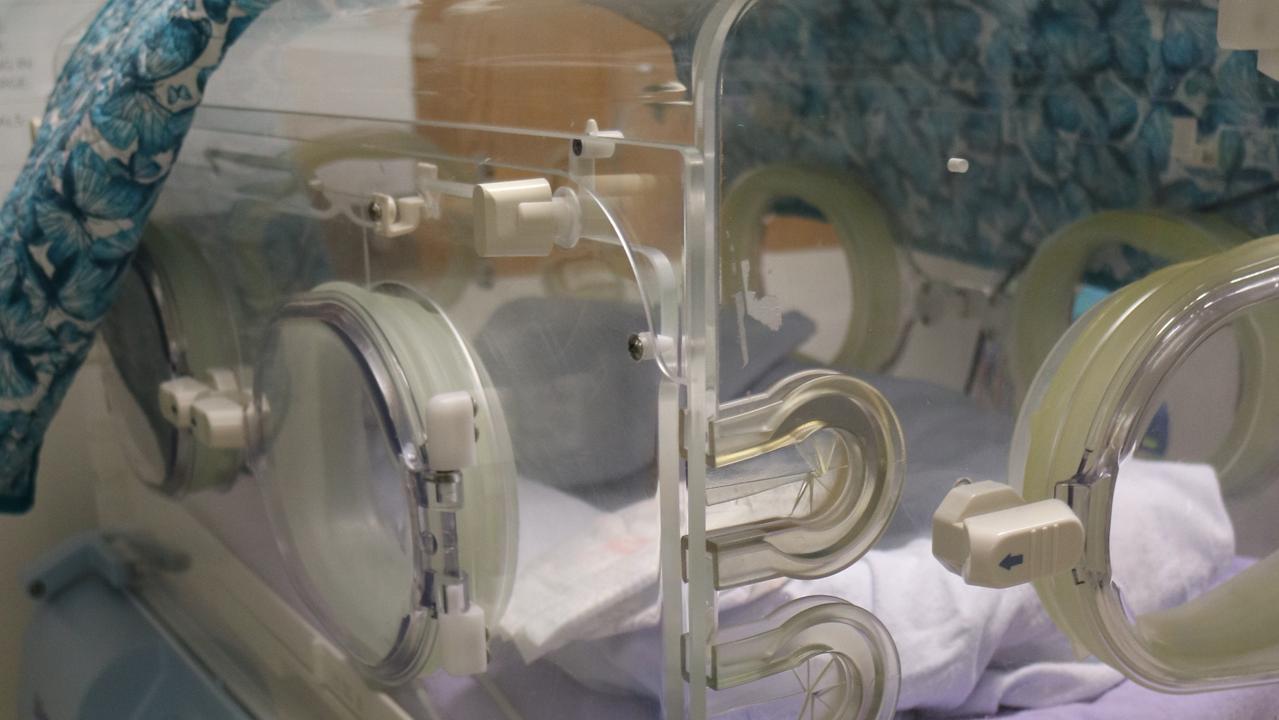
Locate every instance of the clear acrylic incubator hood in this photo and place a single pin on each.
(604, 358)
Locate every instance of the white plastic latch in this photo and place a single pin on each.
(597, 144)
(213, 410)
(594, 144)
(394, 217)
(451, 436)
(987, 534)
(217, 420)
(176, 398)
(522, 218)
(463, 640)
(1251, 25)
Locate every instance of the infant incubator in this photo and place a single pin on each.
(709, 359)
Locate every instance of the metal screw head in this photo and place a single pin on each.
(375, 211)
(635, 346)
(577, 147)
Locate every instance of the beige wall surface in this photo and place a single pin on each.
(34, 38)
(31, 36)
(64, 506)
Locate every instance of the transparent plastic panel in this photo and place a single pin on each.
(804, 239)
(925, 196)
(746, 287)
(1174, 400)
(165, 359)
(149, 441)
(558, 546)
(335, 474)
(1200, 420)
(547, 65)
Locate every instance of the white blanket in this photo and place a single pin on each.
(970, 651)
(964, 650)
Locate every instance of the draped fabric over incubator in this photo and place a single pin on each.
(69, 227)
(1063, 108)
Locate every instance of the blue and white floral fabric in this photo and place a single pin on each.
(1063, 107)
(110, 134)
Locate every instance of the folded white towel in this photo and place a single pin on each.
(585, 572)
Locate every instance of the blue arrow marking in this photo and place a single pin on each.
(1011, 561)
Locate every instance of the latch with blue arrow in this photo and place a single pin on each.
(1011, 561)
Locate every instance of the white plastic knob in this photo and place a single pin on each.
(987, 534)
(498, 231)
(463, 642)
(450, 431)
(218, 422)
(176, 397)
(598, 144)
(560, 219)
(646, 346)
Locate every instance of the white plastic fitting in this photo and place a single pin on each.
(597, 144)
(210, 409)
(1251, 25)
(463, 641)
(647, 346)
(560, 218)
(521, 218)
(218, 422)
(988, 535)
(450, 431)
(426, 176)
(396, 217)
(176, 397)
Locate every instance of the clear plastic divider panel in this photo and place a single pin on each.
(1202, 469)
(920, 199)
(1155, 417)
(735, 292)
(371, 267)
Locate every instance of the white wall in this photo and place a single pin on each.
(30, 35)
